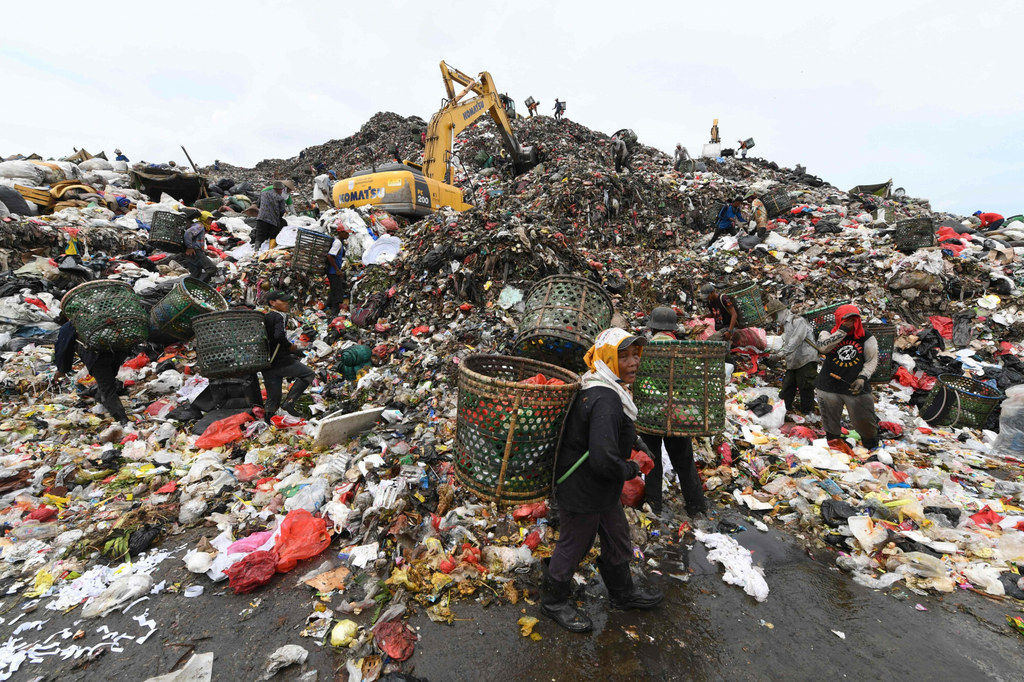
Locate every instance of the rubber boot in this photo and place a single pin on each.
(273, 244)
(623, 593)
(555, 604)
(294, 393)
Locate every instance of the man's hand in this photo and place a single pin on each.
(857, 387)
(847, 325)
(190, 252)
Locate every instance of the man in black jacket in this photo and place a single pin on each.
(102, 365)
(282, 362)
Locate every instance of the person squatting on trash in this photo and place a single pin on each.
(282, 363)
(730, 219)
(271, 216)
(592, 465)
(989, 221)
(102, 365)
(723, 309)
(680, 156)
(758, 215)
(851, 356)
(195, 259)
(663, 324)
(801, 361)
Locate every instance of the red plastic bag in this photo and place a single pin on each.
(396, 639)
(541, 380)
(138, 362)
(726, 452)
(254, 570)
(986, 517)
(632, 493)
(644, 460)
(892, 427)
(943, 325)
(302, 536)
(537, 510)
(223, 431)
(247, 472)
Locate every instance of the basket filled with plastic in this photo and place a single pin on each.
(680, 388)
(959, 402)
(748, 298)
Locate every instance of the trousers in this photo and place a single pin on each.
(262, 232)
(274, 377)
(576, 534)
(198, 265)
(104, 371)
(336, 293)
(861, 409)
(680, 453)
(800, 380)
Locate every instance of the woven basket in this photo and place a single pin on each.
(777, 204)
(188, 299)
(750, 304)
(230, 343)
(885, 334)
(968, 402)
(680, 388)
(168, 231)
(563, 316)
(823, 319)
(310, 252)
(914, 233)
(709, 216)
(507, 433)
(107, 314)
(209, 203)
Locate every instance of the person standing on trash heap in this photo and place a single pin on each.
(592, 464)
(322, 185)
(989, 221)
(662, 326)
(559, 108)
(680, 156)
(851, 356)
(730, 219)
(531, 107)
(102, 365)
(723, 309)
(120, 156)
(282, 363)
(194, 258)
(271, 216)
(335, 278)
(801, 361)
(758, 214)
(620, 154)
(743, 148)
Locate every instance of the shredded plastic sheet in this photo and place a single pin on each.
(737, 562)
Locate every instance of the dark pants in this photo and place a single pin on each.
(273, 378)
(720, 231)
(861, 409)
(198, 265)
(262, 232)
(576, 533)
(801, 380)
(336, 293)
(680, 453)
(995, 224)
(104, 371)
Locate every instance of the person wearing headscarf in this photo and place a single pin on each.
(851, 356)
(662, 324)
(592, 465)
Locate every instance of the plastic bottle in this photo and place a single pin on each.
(34, 530)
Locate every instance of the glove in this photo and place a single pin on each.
(634, 470)
(857, 387)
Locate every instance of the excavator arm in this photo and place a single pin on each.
(459, 113)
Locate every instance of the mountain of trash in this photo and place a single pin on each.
(82, 499)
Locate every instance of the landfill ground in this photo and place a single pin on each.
(704, 630)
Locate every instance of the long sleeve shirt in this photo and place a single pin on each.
(727, 215)
(277, 339)
(272, 207)
(195, 237)
(797, 331)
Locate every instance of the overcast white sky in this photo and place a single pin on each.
(928, 93)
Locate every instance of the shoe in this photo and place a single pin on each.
(623, 593)
(555, 604)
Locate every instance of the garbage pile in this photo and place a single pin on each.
(364, 483)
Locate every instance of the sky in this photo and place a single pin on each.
(927, 93)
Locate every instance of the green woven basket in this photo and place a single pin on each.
(885, 335)
(777, 203)
(680, 388)
(507, 432)
(167, 232)
(914, 233)
(230, 343)
(968, 402)
(107, 314)
(563, 315)
(750, 304)
(209, 203)
(823, 319)
(188, 299)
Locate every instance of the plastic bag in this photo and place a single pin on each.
(645, 462)
(633, 493)
(223, 431)
(1010, 440)
(254, 570)
(302, 536)
(395, 639)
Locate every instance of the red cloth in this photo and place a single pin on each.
(844, 311)
(989, 218)
(943, 325)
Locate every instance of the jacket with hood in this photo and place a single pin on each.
(797, 331)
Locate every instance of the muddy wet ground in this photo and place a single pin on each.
(704, 630)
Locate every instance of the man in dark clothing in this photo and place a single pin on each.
(620, 154)
(851, 357)
(195, 259)
(663, 324)
(559, 108)
(282, 362)
(335, 278)
(271, 215)
(102, 365)
(723, 309)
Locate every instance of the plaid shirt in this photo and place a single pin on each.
(760, 213)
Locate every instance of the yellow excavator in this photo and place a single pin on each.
(410, 189)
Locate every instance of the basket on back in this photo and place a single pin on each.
(563, 316)
(960, 401)
(824, 318)
(777, 203)
(885, 336)
(230, 343)
(680, 388)
(750, 304)
(167, 232)
(188, 299)
(310, 252)
(914, 233)
(507, 431)
(107, 314)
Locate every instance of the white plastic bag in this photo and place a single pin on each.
(1010, 440)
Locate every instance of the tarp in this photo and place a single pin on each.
(880, 190)
(185, 187)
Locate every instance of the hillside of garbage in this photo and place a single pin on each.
(91, 508)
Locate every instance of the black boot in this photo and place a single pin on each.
(294, 393)
(623, 592)
(555, 604)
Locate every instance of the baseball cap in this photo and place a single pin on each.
(278, 184)
(278, 295)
